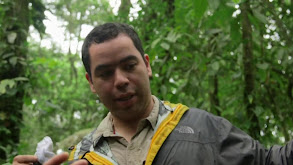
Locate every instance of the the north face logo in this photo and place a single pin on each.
(185, 129)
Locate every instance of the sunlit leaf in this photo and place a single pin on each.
(216, 66)
(214, 4)
(236, 1)
(263, 66)
(164, 90)
(250, 98)
(288, 2)
(155, 42)
(6, 83)
(21, 79)
(199, 8)
(8, 55)
(165, 45)
(280, 54)
(260, 16)
(235, 31)
(13, 61)
(172, 37)
(11, 37)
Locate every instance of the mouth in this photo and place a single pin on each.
(124, 97)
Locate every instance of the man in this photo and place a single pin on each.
(141, 129)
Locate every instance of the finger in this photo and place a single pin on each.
(58, 159)
(24, 159)
(80, 162)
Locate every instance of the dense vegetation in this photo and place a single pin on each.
(232, 58)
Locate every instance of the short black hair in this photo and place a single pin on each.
(104, 33)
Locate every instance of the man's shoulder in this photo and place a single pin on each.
(202, 114)
(203, 120)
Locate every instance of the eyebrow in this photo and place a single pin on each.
(128, 58)
(106, 66)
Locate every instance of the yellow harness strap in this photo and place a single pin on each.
(71, 156)
(165, 128)
(163, 131)
(96, 159)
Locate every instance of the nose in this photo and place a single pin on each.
(121, 80)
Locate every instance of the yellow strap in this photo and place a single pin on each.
(96, 159)
(165, 128)
(71, 155)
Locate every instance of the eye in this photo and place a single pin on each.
(130, 66)
(106, 74)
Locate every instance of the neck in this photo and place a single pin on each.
(127, 128)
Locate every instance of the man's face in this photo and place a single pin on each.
(120, 77)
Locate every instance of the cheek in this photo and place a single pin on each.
(103, 89)
(141, 83)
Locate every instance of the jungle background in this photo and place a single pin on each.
(232, 58)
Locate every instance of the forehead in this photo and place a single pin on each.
(112, 50)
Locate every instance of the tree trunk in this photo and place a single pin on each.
(16, 22)
(124, 9)
(213, 94)
(248, 64)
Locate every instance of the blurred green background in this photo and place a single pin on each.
(232, 58)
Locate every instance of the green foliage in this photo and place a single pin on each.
(59, 99)
(203, 66)
(196, 54)
(7, 85)
(37, 15)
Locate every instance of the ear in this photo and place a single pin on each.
(90, 82)
(148, 66)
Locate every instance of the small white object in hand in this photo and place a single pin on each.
(45, 150)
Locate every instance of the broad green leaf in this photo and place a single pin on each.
(21, 79)
(8, 55)
(6, 83)
(214, 31)
(172, 37)
(216, 66)
(288, 2)
(236, 75)
(155, 42)
(23, 63)
(163, 90)
(2, 89)
(235, 31)
(11, 37)
(260, 16)
(2, 116)
(169, 71)
(250, 98)
(199, 8)
(165, 45)
(214, 4)
(280, 54)
(209, 54)
(223, 62)
(13, 61)
(263, 66)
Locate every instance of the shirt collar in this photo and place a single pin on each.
(106, 126)
(153, 116)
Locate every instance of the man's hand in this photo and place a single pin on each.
(56, 160)
(59, 159)
(24, 159)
